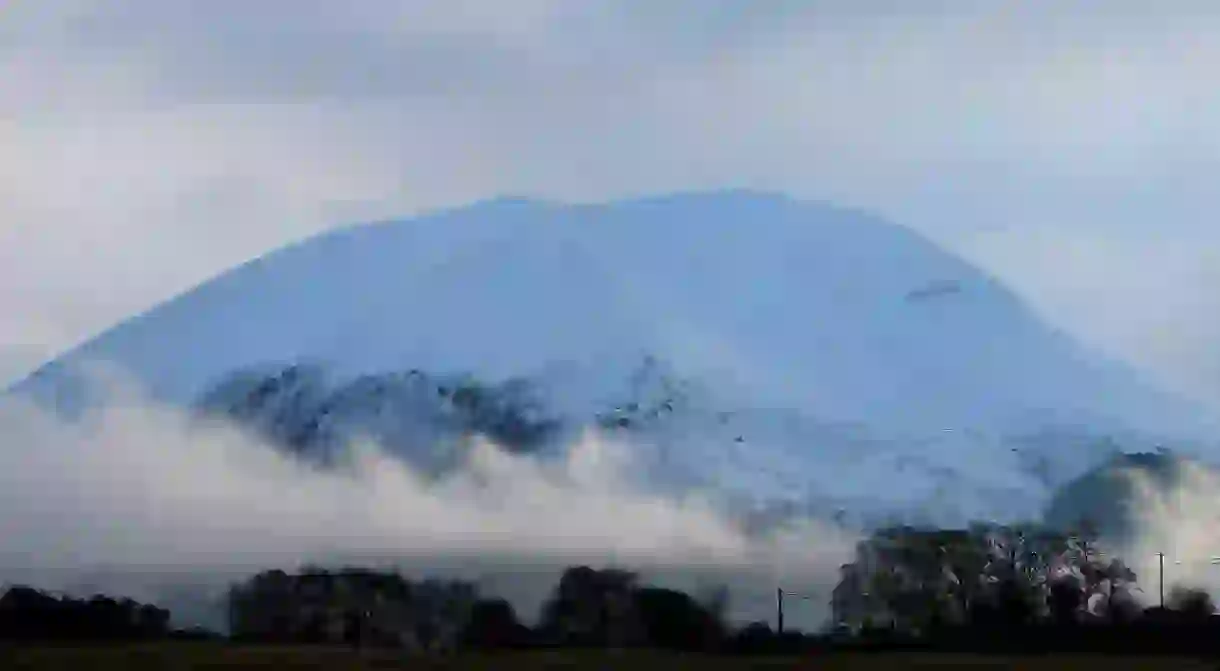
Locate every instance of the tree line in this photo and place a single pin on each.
(28, 614)
(992, 586)
(986, 588)
(587, 608)
(383, 609)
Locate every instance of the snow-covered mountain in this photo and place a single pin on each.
(761, 345)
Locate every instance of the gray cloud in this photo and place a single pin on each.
(1066, 145)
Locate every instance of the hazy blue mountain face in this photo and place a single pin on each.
(764, 347)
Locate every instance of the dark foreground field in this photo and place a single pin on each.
(186, 656)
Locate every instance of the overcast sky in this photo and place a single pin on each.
(1068, 146)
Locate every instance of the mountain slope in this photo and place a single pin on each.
(765, 303)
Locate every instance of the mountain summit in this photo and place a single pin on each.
(799, 330)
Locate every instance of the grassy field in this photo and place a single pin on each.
(187, 656)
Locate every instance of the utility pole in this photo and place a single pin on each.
(1161, 560)
(779, 610)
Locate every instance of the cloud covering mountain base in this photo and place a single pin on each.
(146, 498)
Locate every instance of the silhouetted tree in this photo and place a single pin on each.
(592, 608)
(353, 606)
(29, 614)
(922, 580)
(673, 619)
(1191, 604)
(1066, 600)
(493, 624)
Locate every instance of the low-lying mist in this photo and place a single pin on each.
(141, 499)
(1180, 519)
